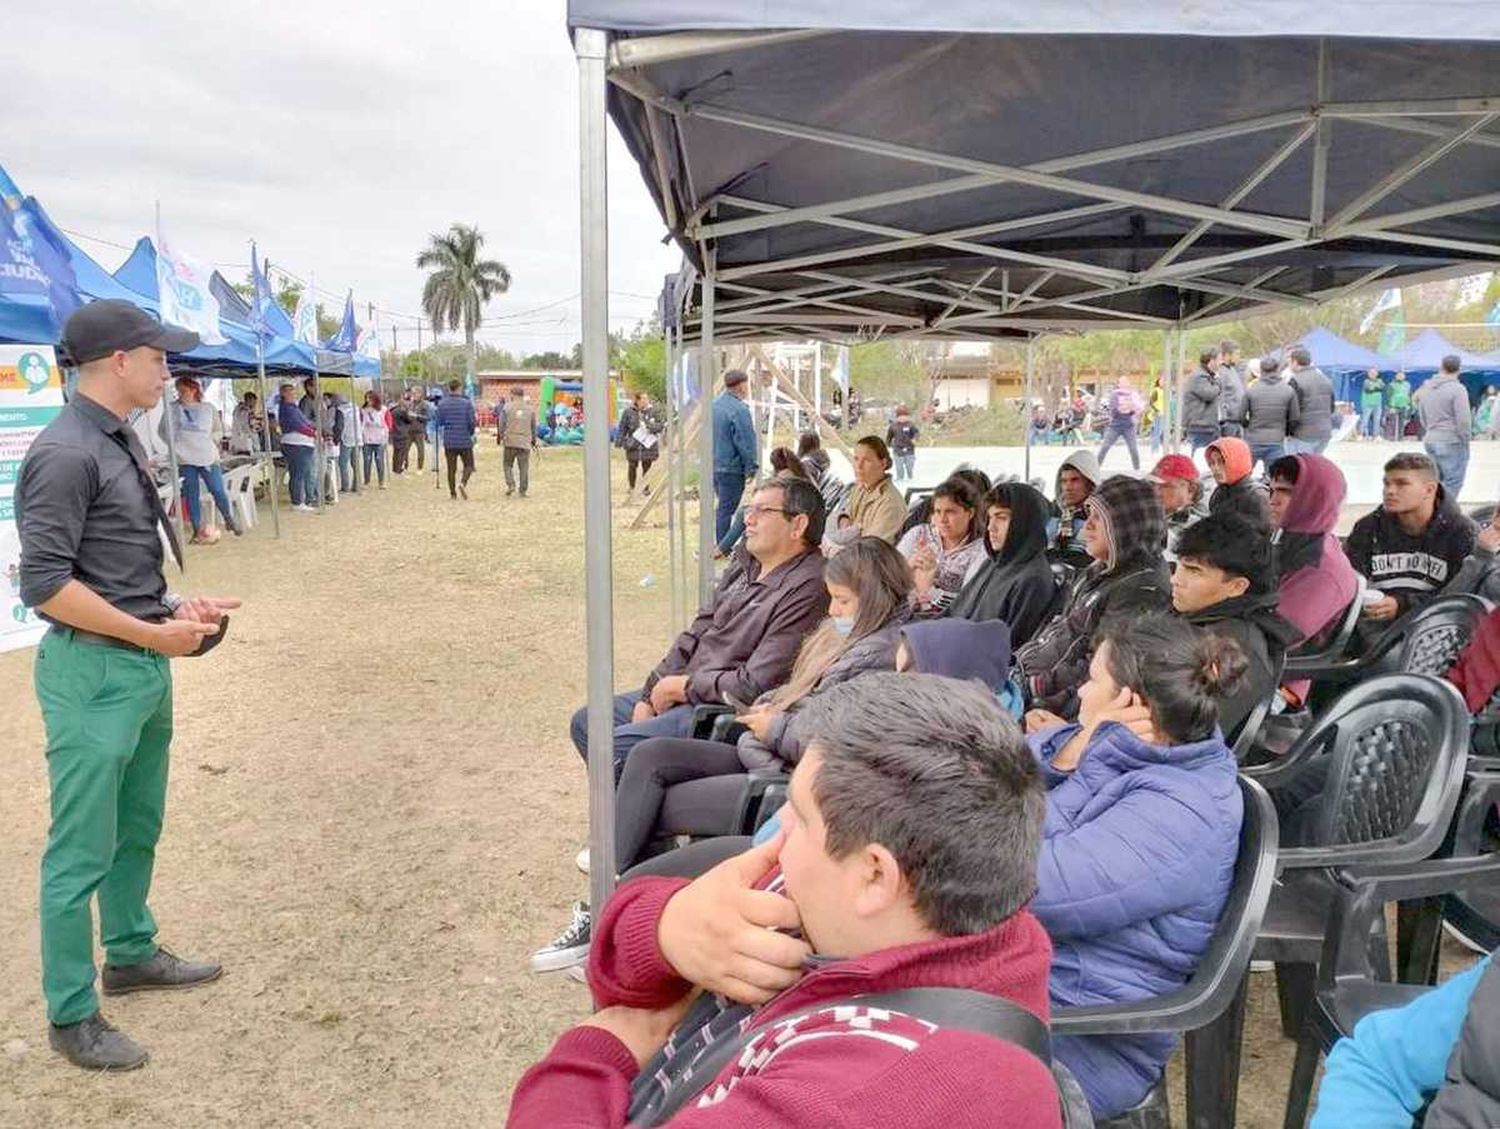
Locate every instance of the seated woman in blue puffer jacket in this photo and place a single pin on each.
(1140, 838)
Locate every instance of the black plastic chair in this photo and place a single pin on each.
(1349, 986)
(1424, 642)
(1210, 1007)
(1243, 739)
(1475, 910)
(1390, 755)
(1304, 658)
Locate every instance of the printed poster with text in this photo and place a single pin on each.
(31, 393)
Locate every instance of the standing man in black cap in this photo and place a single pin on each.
(92, 529)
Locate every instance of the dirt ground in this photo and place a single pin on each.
(372, 818)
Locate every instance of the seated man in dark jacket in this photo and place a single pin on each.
(744, 643)
(1230, 462)
(1224, 583)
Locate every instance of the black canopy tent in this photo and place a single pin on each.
(993, 168)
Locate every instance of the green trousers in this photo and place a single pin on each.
(108, 714)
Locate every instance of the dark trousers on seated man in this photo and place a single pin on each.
(728, 490)
(108, 716)
(675, 722)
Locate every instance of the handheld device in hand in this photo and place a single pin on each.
(211, 641)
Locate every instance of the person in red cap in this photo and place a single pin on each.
(1180, 489)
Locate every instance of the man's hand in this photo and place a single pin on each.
(177, 638)
(643, 1030)
(642, 712)
(668, 692)
(1382, 609)
(720, 932)
(205, 609)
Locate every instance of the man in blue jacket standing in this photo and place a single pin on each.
(736, 459)
(456, 419)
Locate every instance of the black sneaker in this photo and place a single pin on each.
(163, 972)
(95, 1044)
(570, 947)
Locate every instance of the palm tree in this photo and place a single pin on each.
(460, 285)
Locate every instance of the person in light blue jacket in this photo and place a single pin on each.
(1140, 838)
(1434, 1062)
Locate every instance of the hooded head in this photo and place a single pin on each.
(959, 648)
(1318, 491)
(1134, 525)
(1238, 461)
(1026, 534)
(1086, 465)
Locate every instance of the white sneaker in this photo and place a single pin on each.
(579, 973)
(581, 860)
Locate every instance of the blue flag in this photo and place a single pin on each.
(347, 336)
(1493, 318)
(261, 298)
(34, 257)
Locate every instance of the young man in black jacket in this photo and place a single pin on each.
(1409, 548)
(1224, 583)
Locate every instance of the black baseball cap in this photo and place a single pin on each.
(102, 327)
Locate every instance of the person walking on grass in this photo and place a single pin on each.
(1124, 421)
(638, 434)
(457, 421)
(901, 438)
(92, 528)
(516, 430)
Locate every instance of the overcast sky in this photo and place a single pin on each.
(337, 134)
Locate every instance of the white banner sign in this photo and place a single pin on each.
(31, 394)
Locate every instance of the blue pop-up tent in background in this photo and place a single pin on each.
(1346, 363)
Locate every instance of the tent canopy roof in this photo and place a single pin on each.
(1047, 175)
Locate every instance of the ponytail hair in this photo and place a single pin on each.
(1180, 672)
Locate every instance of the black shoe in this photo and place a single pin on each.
(163, 972)
(570, 947)
(95, 1044)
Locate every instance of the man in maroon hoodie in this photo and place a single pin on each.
(906, 859)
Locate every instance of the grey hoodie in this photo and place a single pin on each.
(1200, 403)
(1315, 401)
(1271, 410)
(1443, 405)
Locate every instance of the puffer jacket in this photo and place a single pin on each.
(1200, 404)
(1138, 851)
(1315, 405)
(1133, 579)
(1015, 583)
(783, 745)
(1239, 493)
(1271, 410)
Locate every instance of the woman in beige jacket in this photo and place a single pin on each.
(873, 507)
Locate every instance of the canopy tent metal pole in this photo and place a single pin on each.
(171, 433)
(708, 372)
(1181, 385)
(1170, 405)
(678, 501)
(265, 456)
(598, 582)
(1026, 408)
(673, 575)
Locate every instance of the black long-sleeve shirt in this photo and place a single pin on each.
(86, 511)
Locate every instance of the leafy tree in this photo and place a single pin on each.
(642, 359)
(461, 283)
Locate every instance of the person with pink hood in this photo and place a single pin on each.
(1317, 580)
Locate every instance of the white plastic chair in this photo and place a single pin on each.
(239, 485)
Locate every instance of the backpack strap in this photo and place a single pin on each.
(959, 1008)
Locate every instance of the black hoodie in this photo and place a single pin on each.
(1016, 584)
(1254, 623)
(1413, 569)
